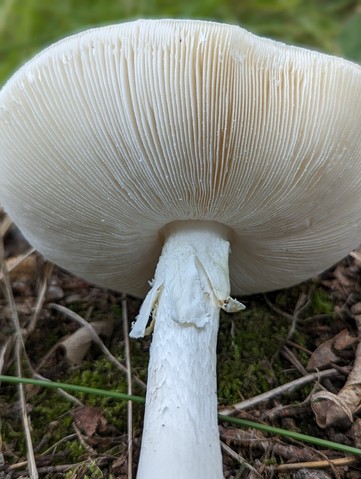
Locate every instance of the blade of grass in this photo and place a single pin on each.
(292, 435)
(73, 387)
(239, 422)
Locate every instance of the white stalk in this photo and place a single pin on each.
(191, 284)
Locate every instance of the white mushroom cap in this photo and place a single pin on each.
(110, 135)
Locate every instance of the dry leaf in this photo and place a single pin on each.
(90, 420)
(322, 356)
(330, 409)
(343, 342)
(332, 350)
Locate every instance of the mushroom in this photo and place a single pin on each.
(183, 140)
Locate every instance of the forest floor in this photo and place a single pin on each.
(281, 337)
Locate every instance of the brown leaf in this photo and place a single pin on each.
(332, 350)
(344, 341)
(322, 356)
(90, 420)
(330, 409)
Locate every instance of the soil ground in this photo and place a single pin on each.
(280, 337)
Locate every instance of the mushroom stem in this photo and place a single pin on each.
(191, 284)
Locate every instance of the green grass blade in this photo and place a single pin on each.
(292, 435)
(139, 399)
(72, 387)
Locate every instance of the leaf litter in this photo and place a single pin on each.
(94, 440)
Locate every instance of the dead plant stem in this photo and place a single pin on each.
(19, 348)
(70, 314)
(342, 461)
(297, 383)
(129, 383)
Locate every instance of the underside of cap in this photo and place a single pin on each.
(112, 134)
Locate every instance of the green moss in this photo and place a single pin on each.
(248, 364)
(248, 343)
(322, 301)
(87, 471)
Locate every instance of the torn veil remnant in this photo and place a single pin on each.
(198, 252)
(181, 140)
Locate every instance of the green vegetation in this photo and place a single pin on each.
(27, 26)
(246, 352)
(248, 359)
(248, 364)
(249, 342)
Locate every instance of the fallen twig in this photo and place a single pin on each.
(273, 447)
(18, 261)
(97, 340)
(285, 388)
(46, 274)
(290, 356)
(237, 457)
(19, 347)
(129, 384)
(343, 461)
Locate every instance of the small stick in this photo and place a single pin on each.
(129, 381)
(82, 441)
(297, 383)
(239, 459)
(46, 274)
(290, 356)
(343, 461)
(19, 348)
(97, 340)
(302, 303)
(19, 260)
